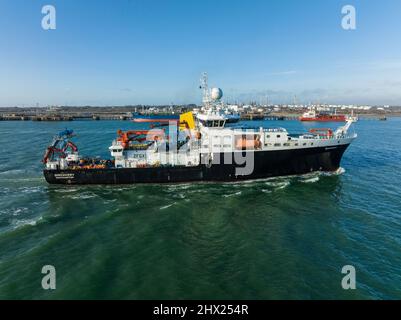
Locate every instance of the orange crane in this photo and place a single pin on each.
(138, 135)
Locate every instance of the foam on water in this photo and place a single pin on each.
(109, 201)
(14, 211)
(167, 206)
(17, 180)
(30, 190)
(12, 172)
(65, 190)
(283, 185)
(311, 180)
(181, 186)
(83, 196)
(25, 222)
(232, 194)
(278, 184)
(338, 172)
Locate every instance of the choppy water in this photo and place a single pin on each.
(270, 239)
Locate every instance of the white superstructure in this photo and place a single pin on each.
(213, 137)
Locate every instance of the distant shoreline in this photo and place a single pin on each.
(255, 112)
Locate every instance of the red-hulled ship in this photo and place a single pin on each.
(313, 115)
(155, 118)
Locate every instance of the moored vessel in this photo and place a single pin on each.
(313, 115)
(154, 118)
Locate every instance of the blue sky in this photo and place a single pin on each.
(153, 51)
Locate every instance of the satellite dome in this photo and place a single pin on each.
(216, 93)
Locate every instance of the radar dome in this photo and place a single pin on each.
(216, 93)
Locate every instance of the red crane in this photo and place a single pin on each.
(138, 135)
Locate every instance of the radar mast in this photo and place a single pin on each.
(206, 94)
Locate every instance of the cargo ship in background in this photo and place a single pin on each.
(200, 148)
(318, 116)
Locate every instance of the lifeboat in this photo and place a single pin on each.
(322, 132)
(248, 142)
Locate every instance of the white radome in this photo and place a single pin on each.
(216, 93)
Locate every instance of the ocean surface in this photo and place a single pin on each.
(281, 238)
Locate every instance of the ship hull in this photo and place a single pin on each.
(265, 164)
(325, 119)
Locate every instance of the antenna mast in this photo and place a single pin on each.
(205, 88)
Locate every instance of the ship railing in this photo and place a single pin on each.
(318, 136)
(274, 130)
(328, 137)
(251, 129)
(345, 136)
(269, 129)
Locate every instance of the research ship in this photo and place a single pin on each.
(195, 149)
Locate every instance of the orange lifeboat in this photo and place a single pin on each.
(248, 142)
(324, 132)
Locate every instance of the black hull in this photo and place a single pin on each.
(266, 164)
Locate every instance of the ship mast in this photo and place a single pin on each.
(204, 86)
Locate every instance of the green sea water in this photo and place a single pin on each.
(281, 238)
